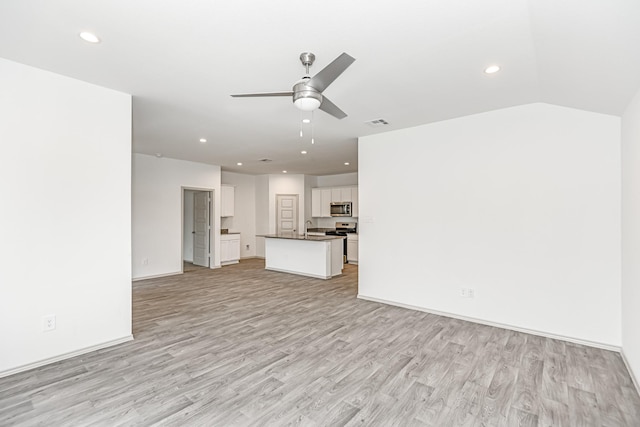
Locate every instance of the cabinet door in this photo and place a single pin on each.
(234, 249)
(224, 251)
(352, 250)
(354, 202)
(345, 194)
(326, 203)
(227, 200)
(316, 202)
(336, 194)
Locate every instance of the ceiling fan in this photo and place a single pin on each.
(307, 92)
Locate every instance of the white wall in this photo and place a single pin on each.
(244, 219)
(309, 183)
(521, 204)
(337, 180)
(286, 184)
(631, 235)
(262, 212)
(65, 183)
(157, 212)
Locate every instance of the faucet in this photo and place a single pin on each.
(306, 228)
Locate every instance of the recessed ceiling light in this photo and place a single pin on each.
(303, 152)
(89, 37)
(158, 155)
(284, 171)
(346, 163)
(203, 140)
(306, 121)
(492, 69)
(239, 163)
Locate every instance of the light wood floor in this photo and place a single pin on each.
(244, 346)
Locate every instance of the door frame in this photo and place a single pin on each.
(297, 219)
(212, 234)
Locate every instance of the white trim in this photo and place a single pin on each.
(315, 276)
(65, 356)
(633, 377)
(156, 276)
(497, 325)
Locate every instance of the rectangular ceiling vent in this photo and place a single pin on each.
(377, 122)
(265, 160)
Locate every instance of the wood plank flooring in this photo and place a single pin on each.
(242, 346)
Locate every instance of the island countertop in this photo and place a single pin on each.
(292, 236)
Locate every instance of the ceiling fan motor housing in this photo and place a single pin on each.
(305, 97)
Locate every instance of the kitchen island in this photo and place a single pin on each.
(313, 256)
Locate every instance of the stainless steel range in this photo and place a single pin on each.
(342, 229)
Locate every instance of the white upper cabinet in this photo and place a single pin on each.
(227, 200)
(354, 202)
(316, 202)
(336, 194)
(345, 194)
(325, 203)
(321, 199)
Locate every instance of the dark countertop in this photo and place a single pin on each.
(320, 230)
(230, 232)
(292, 236)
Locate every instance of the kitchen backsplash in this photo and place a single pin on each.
(331, 222)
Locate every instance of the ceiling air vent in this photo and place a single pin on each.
(377, 122)
(265, 160)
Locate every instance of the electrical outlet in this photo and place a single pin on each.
(145, 261)
(247, 247)
(49, 323)
(467, 292)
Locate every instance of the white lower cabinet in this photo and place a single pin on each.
(352, 248)
(229, 249)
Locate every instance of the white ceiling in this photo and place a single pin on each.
(417, 61)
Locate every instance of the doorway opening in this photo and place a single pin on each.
(197, 226)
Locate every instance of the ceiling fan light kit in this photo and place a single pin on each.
(306, 100)
(307, 92)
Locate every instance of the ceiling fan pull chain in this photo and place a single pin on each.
(312, 139)
(301, 135)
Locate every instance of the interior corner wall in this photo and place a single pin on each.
(157, 212)
(66, 187)
(631, 235)
(522, 205)
(244, 218)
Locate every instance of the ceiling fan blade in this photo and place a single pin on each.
(328, 74)
(254, 95)
(331, 108)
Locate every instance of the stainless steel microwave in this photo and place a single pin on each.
(341, 209)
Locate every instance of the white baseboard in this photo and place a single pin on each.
(65, 356)
(631, 374)
(156, 276)
(497, 325)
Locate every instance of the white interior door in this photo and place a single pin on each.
(286, 213)
(201, 241)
